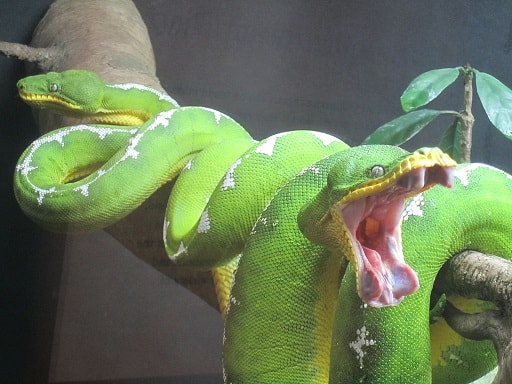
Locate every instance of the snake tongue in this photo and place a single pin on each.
(373, 223)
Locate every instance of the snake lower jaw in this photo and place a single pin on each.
(383, 275)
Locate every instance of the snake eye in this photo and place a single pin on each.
(377, 171)
(53, 87)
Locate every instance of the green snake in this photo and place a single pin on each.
(281, 220)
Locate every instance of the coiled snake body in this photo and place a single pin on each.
(301, 208)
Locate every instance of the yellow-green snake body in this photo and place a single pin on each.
(321, 292)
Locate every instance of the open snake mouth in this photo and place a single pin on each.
(373, 225)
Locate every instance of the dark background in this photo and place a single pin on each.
(338, 67)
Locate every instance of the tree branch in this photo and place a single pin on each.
(466, 116)
(485, 277)
(42, 56)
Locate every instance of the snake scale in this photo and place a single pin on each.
(306, 235)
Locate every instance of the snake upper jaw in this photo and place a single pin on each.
(372, 225)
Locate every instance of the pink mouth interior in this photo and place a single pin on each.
(373, 222)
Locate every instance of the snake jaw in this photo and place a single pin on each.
(48, 101)
(373, 225)
(373, 239)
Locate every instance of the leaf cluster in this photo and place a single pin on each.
(496, 99)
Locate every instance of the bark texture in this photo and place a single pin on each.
(484, 277)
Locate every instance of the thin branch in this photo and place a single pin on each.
(467, 119)
(41, 56)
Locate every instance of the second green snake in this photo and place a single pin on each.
(298, 207)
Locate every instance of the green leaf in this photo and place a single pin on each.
(450, 141)
(401, 129)
(427, 86)
(496, 99)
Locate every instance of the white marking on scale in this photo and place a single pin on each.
(267, 146)
(463, 173)
(229, 178)
(165, 229)
(83, 189)
(140, 87)
(130, 150)
(181, 249)
(188, 165)
(234, 301)
(261, 221)
(218, 116)
(204, 222)
(325, 138)
(42, 193)
(25, 168)
(414, 207)
(59, 137)
(102, 132)
(162, 119)
(310, 168)
(361, 343)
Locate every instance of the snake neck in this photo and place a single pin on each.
(131, 104)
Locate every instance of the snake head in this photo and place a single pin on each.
(72, 92)
(367, 190)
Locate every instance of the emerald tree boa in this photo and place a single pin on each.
(324, 255)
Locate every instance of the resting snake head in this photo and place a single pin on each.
(72, 92)
(358, 213)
